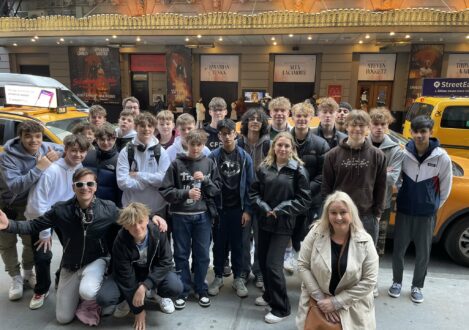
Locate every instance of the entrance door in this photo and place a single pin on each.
(371, 94)
(139, 87)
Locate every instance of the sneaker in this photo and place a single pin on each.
(226, 269)
(416, 295)
(16, 288)
(289, 262)
(376, 291)
(271, 318)
(260, 301)
(245, 277)
(38, 300)
(122, 310)
(29, 278)
(259, 281)
(395, 290)
(204, 300)
(166, 305)
(240, 287)
(214, 287)
(180, 303)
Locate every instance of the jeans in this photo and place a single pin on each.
(254, 227)
(271, 251)
(229, 229)
(419, 230)
(75, 285)
(42, 262)
(371, 225)
(192, 231)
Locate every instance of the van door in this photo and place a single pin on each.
(452, 128)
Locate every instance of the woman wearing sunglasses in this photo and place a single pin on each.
(84, 222)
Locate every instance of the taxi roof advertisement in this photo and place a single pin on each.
(446, 87)
(31, 96)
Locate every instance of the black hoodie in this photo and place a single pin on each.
(213, 141)
(178, 181)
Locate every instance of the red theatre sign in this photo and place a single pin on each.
(148, 63)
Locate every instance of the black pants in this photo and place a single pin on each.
(109, 293)
(271, 251)
(42, 262)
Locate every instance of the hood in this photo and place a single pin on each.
(183, 156)
(62, 164)
(364, 146)
(210, 130)
(262, 139)
(16, 149)
(153, 142)
(387, 142)
(131, 134)
(410, 147)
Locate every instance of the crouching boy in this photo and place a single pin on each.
(190, 184)
(142, 262)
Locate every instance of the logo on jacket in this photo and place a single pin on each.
(355, 163)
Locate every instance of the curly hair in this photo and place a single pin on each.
(263, 119)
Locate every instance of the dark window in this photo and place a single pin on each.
(2, 131)
(419, 109)
(456, 117)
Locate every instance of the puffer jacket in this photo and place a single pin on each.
(286, 192)
(334, 142)
(81, 245)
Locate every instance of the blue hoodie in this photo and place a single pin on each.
(18, 171)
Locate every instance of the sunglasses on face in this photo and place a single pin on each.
(81, 184)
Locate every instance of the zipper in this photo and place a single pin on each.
(154, 254)
(84, 245)
(101, 245)
(66, 245)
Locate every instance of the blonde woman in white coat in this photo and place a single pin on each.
(341, 282)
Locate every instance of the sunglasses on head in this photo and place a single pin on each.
(81, 184)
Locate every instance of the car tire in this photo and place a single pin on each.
(457, 242)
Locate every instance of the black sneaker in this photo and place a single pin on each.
(227, 269)
(204, 300)
(180, 303)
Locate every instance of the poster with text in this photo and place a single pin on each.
(458, 66)
(295, 68)
(219, 68)
(95, 74)
(376, 67)
(179, 75)
(425, 62)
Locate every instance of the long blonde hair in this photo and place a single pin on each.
(271, 158)
(339, 196)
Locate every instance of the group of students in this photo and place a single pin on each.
(264, 187)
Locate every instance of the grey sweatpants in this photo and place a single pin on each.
(420, 231)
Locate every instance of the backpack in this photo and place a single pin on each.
(131, 152)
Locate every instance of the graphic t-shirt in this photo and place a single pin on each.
(230, 172)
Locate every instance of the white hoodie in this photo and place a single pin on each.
(144, 187)
(54, 185)
(176, 148)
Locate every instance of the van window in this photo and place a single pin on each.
(70, 99)
(456, 117)
(419, 109)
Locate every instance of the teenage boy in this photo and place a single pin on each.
(142, 264)
(327, 112)
(87, 130)
(190, 185)
(23, 162)
(426, 184)
(217, 110)
(279, 109)
(125, 132)
(342, 113)
(184, 124)
(165, 128)
(359, 169)
(234, 207)
(381, 118)
(97, 115)
(131, 103)
(54, 185)
(311, 149)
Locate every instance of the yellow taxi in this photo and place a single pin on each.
(452, 221)
(451, 117)
(57, 123)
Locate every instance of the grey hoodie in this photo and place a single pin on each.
(18, 171)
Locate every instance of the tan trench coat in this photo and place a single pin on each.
(354, 291)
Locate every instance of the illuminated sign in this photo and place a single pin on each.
(31, 96)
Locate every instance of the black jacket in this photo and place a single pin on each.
(213, 141)
(338, 136)
(125, 254)
(312, 152)
(104, 164)
(178, 181)
(80, 246)
(286, 192)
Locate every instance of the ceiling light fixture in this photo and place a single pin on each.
(220, 39)
(138, 39)
(15, 44)
(392, 33)
(107, 39)
(407, 36)
(199, 36)
(290, 35)
(360, 41)
(36, 37)
(187, 39)
(275, 43)
(58, 42)
(61, 39)
(273, 38)
(114, 36)
(467, 37)
(367, 36)
(310, 38)
(33, 40)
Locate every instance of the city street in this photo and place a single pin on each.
(445, 306)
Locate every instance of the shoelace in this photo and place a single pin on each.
(415, 290)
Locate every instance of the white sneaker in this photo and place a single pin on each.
(271, 318)
(16, 288)
(289, 262)
(29, 278)
(122, 310)
(37, 301)
(260, 301)
(166, 305)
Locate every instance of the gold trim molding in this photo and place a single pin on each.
(228, 20)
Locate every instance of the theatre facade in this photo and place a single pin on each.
(365, 56)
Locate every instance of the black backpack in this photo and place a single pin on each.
(131, 152)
